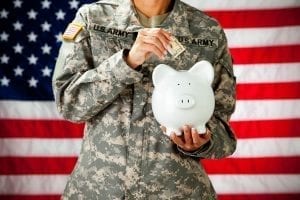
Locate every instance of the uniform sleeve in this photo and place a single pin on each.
(81, 89)
(223, 140)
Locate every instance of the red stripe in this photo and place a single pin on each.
(30, 197)
(273, 165)
(37, 165)
(260, 197)
(64, 129)
(257, 18)
(40, 129)
(65, 165)
(269, 91)
(266, 128)
(276, 54)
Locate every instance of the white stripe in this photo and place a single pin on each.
(28, 110)
(246, 148)
(256, 184)
(267, 147)
(224, 184)
(242, 4)
(245, 110)
(262, 37)
(266, 110)
(267, 73)
(24, 147)
(33, 184)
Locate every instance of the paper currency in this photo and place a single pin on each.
(176, 47)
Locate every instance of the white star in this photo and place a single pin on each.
(4, 36)
(73, 4)
(32, 14)
(18, 3)
(5, 81)
(3, 13)
(47, 71)
(4, 59)
(60, 15)
(32, 37)
(17, 26)
(46, 49)
(46, 4)
(32, 59)
(46, 26)
(58, 37)
(18, 71)
(32, 82)
(18, 48)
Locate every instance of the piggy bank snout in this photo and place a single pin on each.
(185, 101)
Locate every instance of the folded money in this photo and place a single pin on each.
(176, 48)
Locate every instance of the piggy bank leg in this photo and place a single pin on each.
(169, 131)
(201, 129)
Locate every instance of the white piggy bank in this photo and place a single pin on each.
(183, 97)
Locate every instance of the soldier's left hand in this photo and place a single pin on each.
(190, 140)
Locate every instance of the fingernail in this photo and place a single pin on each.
(169, 47)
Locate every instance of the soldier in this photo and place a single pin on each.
(103, 78)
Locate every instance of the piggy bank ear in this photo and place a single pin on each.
(204, 70)
(160, 72)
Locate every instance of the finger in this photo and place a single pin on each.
(187, 135)
(167, 35)
(177, 140)
(155, 41)
(153, 49)
(163, 36)
(207, 136)
(196, 138)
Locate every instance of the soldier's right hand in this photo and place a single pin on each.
(149, 41)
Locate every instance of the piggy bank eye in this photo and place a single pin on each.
(189, 83)
(178, 83)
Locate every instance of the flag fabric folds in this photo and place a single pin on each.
(38, 149)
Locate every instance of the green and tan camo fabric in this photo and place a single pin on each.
(124, 153)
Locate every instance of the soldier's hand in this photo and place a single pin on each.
(149, 41)
(190, 140)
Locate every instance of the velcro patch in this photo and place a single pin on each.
(72, 31)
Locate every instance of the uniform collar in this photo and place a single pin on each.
(125, 18)
(177, 22)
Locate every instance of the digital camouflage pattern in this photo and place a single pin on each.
(124, 153)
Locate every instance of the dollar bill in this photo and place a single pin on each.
(176, 48)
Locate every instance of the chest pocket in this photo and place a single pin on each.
(107, 41)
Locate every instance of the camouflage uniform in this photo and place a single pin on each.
(124, 153)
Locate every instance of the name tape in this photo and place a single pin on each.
(203, 42)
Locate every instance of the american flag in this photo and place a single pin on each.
(38, 149)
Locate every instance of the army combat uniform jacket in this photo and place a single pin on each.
(124, 153)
